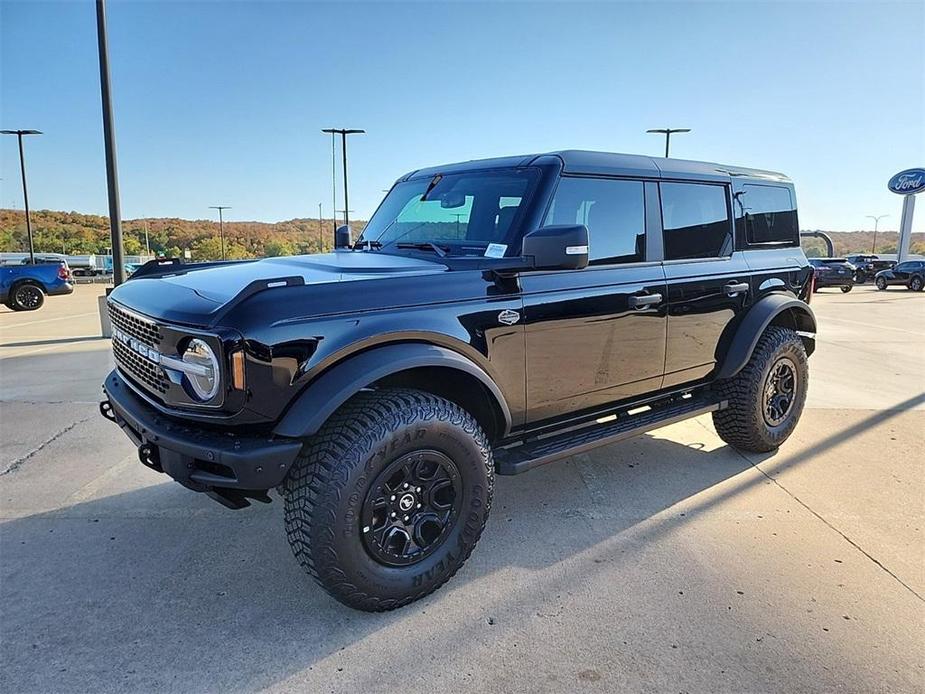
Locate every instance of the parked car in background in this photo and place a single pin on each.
(866, 266)
(910, 273)
(24, 287)
(833, 272)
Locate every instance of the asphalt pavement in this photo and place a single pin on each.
(669, 563)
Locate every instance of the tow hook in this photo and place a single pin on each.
(147, 454)
(106, 411)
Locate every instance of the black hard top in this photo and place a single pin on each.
(609, 164)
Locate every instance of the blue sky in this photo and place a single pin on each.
(222, 103)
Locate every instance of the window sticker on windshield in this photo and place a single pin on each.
(496, 250)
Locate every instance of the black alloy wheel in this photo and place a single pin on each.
(779, 391)
(411, 507)
(386, 502)
(27, 297)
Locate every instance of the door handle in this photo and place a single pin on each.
(736, 288)
(642, 300)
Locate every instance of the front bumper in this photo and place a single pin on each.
(225, 465)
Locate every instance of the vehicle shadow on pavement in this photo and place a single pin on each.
(160, 588)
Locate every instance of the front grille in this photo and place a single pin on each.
(134, 365)
(142, 330)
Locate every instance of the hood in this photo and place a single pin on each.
(197, 296)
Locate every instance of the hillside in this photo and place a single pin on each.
(78, 234)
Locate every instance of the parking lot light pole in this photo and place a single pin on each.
(343, 132)
(667, 133)
(109, 138)
(25, 190)
(221, 224)
(876, 219)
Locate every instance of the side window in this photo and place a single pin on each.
(769, 213)
(613, 211)
(695, 218)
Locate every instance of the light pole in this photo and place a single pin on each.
(147, 242)
(320, 232)
(876, 219)
(25, 190)
(109, 137)
(343, 138)
(667, 133)
(221, 224)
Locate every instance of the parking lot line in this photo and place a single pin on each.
(50, 320)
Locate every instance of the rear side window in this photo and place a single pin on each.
(695, 218)
(613, 211)
(769, 213)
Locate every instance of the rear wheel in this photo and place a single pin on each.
(860, 277)
(27, 297)
(766, 397)
(881, 284)
(916, 284)
(388, 500)
(845, 288)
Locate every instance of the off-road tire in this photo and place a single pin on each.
(881, 284)
(845, 288)
(328, 484)
(860, 277)
(742, 424)
(26, 296)
(916, 284)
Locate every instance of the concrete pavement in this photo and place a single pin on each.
(667, 563)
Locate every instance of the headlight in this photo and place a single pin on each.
(202, 372)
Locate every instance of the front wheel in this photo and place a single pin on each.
(916, 284)
(766, 398)
(860, 278)
(845, 288)
(881, 284)
(388, 500)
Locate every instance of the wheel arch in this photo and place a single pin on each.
(774, 309)
(431, 368)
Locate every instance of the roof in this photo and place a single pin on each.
(611, 164)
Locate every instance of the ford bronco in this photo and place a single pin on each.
(493, 316)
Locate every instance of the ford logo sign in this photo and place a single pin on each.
(908, 182)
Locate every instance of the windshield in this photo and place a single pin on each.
(461, 213)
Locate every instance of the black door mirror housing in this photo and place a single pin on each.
(558, 247)
(342, 237)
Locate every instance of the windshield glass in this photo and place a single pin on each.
(461, 212)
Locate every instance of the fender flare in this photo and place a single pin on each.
(756, 320)
(321, 398)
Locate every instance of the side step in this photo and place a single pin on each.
(513, 460)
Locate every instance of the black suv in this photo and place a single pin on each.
(832, 272)
(494, 316)
(909, 273)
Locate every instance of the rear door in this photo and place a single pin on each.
(597, 335)
(708, 283)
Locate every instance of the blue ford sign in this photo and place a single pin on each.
(908, 182)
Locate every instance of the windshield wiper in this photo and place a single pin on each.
(424, 246)
(367, 244)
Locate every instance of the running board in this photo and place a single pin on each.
(513, 460)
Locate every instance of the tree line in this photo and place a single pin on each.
(74, 233)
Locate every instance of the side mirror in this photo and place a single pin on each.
(559, 247)
(342, 237)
